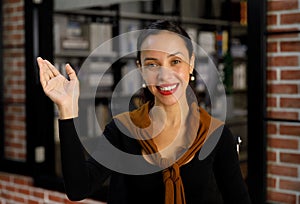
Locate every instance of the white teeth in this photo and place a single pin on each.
(167, 88)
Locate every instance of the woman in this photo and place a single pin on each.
(168, 131)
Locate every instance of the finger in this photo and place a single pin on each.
(52, 68)
(43, 76)
(44, 69)
(71, 73)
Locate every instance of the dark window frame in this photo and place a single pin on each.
(39, 108)
(256, 79)
(2, 132)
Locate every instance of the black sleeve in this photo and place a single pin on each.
(228, 172)
(82, 176)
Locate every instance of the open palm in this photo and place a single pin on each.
(63, 92)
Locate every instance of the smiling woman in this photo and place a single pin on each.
(163, 138)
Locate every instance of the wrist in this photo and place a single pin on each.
(68, 112)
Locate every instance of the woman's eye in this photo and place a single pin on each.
(176, 62)
(151, 66)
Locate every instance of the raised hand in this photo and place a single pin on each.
(63, 92)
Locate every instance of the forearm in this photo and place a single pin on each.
(81, 177)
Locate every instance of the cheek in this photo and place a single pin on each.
(184, 75)
(149, 78)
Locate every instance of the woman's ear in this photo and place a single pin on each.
(138, 64)
(192, 63)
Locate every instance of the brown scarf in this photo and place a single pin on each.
(199, 126)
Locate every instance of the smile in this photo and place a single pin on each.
(167, 89)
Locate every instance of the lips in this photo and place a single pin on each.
(167, 89)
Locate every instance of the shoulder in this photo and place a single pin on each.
(120, 137)
(221, 138)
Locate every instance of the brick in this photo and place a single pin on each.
(272, 75)
(290, 46)
(290, 75)
(271, 102)
(4, 177)
(284, 30)
(282, 88)
(292, 158)
(283, 61)
(21, 156)
(283, 143)
(280, 170)
(22, 181)
(38, 193)
(18, 199)
(279, 197)
(15, 117)
(272, 128)
(283, 115)
(282, 5)
(10, 188)
(32, 201)
(10, 154)
(289, 185)
(19, 8)
(9, 125)
(290, 102)
(7, 10)
(271, 182)
(272, 19)
(292, 130)
(56, 197)
(271, 156)
(291, 18)
(7, 195)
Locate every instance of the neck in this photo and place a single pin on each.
(171, 115)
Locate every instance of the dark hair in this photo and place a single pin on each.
(154, 29)
(163, 25)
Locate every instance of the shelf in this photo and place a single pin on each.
(83, 53)
(145, 16)
(67, 5)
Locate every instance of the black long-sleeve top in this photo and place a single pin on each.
(214, 179)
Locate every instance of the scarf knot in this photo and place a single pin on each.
(172, 173)
(174, 192)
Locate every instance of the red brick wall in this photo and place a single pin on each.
(283, 102)
(15, 189)
(14, 79)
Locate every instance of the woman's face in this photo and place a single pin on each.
(166, 67)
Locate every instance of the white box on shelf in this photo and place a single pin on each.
(101, 35)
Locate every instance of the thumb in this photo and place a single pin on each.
(70, 71)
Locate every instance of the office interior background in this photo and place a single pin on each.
(255, 45)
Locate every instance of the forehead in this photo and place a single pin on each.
(164, 41)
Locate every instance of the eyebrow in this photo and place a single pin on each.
(170, 55)
(176, 53)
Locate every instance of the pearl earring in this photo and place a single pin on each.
(192, 77)
(144, 85)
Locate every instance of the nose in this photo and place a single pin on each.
(164, 73)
